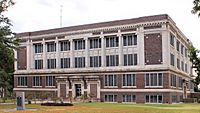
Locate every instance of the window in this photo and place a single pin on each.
(95, 61)
(21, 81)
(51, 46)
(154, 99)
(95, 43)
(129, 39)
(180, 82)
(79, 44)
(186, 52)
(129, 98)
(182, 48)
(129, 80)
(154, 79)
(186, 68)
(178, 45)
(130, 59)
(174, 99)
(38, 64)
(172, 59)
(173, 80)
(64, 46)
(51, 63)
(65, 62)
(110, 98)
(38, 48)
(50, 80)
(110, 80)
(112, 60)
(178, 63)
(112, 41)
(37, 80)
(182, 66)
(172, 37)
(191, 85)
(191, 70)
(79, 62)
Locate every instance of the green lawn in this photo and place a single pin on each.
(109, 108)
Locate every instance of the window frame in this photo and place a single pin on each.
(37, 81)
(157, 98)
(112, 60)
(49, 79)
(38, 64)
(110, 80)
(125, 82)
(95, 61)
(38, 48)
(150, 82)
(50, 46)
(129, 39)
(107, 98)
(112, 41)
(51, 63)
(95, 43)
(64, 63)
(64, 45)
(22, 81)
(79, 62)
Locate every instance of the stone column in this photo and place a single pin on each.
(28, 48)
(103, 63)
(15, 56)
(57, 53)
(71, 53)
(120, 49)
(44, 54)
(32, 56)
(166, 46)
(98, 88)
(140, 45)
(86, 52)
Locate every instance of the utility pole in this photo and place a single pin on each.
(61, 15)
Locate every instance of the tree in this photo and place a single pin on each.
(196, 8)
(193, 55)
(8, 42)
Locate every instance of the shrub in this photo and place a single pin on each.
(56, 104)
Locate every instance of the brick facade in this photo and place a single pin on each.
(147, 40)
(153, 48)
(21, 58)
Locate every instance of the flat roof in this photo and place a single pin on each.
(96, 25)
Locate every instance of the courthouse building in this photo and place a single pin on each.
(139, 60)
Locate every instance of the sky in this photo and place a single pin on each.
(34, 15)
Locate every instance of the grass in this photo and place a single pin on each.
(108, 108)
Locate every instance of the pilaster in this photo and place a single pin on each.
(28, 48)
(102, 50)
(141, 55)
(86, 52)
(71, 53)
(44, 54)
(120, 49)
(57, 53)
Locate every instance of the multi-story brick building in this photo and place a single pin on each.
(142, 60)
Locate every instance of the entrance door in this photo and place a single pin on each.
(77, 90)
(184, 92)
(93, 90)
(63, 90)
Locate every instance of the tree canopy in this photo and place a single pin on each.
(8, 42)
(195, 63)
(196, 7)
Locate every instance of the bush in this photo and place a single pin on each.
(56, 104)
(198, 101)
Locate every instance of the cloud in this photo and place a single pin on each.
(31, 15)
